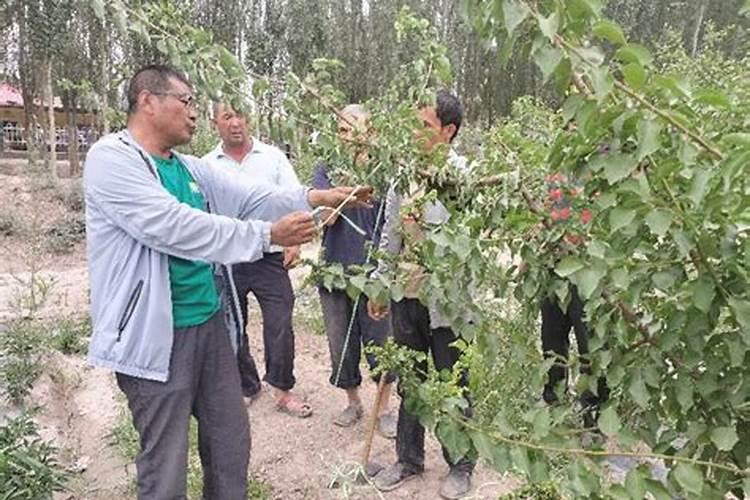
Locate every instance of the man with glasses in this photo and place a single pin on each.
(157, 314)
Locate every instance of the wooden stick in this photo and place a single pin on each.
(371, 425)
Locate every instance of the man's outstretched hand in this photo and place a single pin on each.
(293, 229)
(358, 196)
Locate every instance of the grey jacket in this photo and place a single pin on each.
(133, 224)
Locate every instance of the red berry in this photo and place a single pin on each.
(586, 216)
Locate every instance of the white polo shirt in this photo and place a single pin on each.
(263, 164)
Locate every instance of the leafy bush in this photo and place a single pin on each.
(29, 468)
(69, 335)
(21, 348)
(65, 233)
(9, 224)
(72, 196)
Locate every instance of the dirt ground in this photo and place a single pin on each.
(296, 458)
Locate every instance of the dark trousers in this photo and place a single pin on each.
(338, 310)
(203, 382)
(411, 328)
(556, 325)
(269, 282)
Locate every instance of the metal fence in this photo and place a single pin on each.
(13, 137)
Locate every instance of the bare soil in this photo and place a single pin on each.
(296, 458)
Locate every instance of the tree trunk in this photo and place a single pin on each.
(697, 29)
(49, 98)
(28, 91)
(69, 102)
(104, 83)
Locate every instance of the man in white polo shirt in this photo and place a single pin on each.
(267, 278)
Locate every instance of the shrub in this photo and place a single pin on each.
(65, 233)
(29, 469)
(21, 347)
(9, 224)
(69, 335)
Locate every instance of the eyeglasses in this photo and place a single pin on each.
(186, 99)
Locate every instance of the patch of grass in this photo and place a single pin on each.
(123, 436)
(29, 468)
(9, 224)
(71, 196)
(307, 312)
(70, 335)
(65, 233)
(21, 349)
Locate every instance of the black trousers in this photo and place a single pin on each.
(556, 325)
(411, 328)
(269, 282)
(203, 382)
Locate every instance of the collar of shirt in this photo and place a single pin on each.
(257, 147)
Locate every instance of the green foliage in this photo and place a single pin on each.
(71, 195)
(21, 349)
(307, 311)
(9, 224)
(204, 140)
(70, 335)
(657, 155)
(29, 468)
(542, 491)
(65, 233)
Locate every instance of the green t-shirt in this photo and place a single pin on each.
(194, 296)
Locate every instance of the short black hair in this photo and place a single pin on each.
(154, 78)
(449, 109)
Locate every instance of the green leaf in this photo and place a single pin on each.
(620, 217)
(638, 391)
(684, 393)
(699, 186)
(549, 26)
(602, 82)
(663, 280)
(659, 221)
(634, 53)
(712, 98)
(745, 9)
(587, 280)
(541, 423)
(514, 12)
(648, 137)
(737, 139)
(635, 484)
(724, 438)
(453, 438)
(520, 459)
(587, 7)
(548, 58)
(703, 294)
(618, 166)
(497, 455)
(610, 31)
(634, 75)
(609, 421)
(568, 265)
(741, 310)
(98, 7)
(689, 477)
